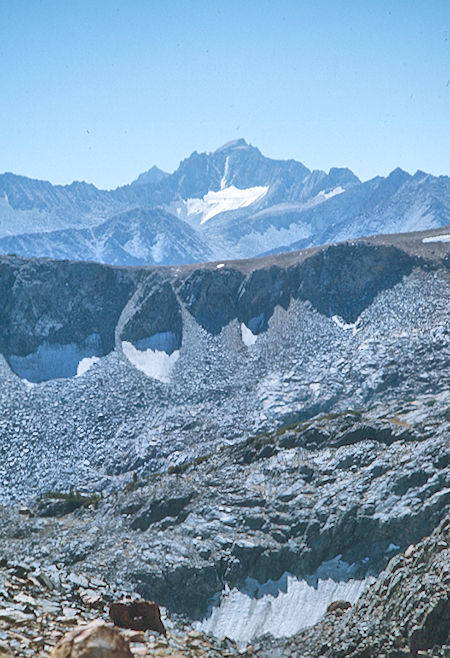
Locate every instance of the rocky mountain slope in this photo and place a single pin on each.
(238, 441)
(232, 203)
(406, 612)
(261, 536)
(135, 237)
(143, 368)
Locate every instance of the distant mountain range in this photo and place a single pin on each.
(232, 203)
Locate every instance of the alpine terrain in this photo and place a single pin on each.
(232, 203)
(260, 446)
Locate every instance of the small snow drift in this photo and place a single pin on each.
(327, 195)
(153, 363)
(438, 238)
(248, 337)
(85, 364)
(230, 198)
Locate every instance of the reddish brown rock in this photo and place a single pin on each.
(338, 607)
(95, 640)
(137, 615)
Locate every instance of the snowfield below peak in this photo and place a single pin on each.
(224, 200)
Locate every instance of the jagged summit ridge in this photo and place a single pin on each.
(234, 144)
(238, 202)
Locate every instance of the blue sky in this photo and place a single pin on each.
(101, 90)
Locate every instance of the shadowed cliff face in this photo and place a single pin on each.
(211, 297)
(339, 280)
(344, 279)
(152, 318)
(55, 313)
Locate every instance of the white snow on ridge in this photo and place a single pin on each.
(223, 182)
(153, 363)
(438, 238)
(226, 199)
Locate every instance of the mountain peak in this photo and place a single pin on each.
(153, 176)
(234, 145)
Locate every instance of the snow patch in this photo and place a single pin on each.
(158, 249)
(220, 265)
(85, 364)
(392, 548)
(153, 363)
(438, 238)
(223, 182)
(282, 607)
(248, 337)
(226, 199)
(327, 195)
(136, 247)
(54, 360)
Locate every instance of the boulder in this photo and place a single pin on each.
(338, 607)
(95, 640)
(137, 615)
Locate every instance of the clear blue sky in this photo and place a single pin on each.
(100, 90)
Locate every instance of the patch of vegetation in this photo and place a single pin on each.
(447, 415)
(179, 469)
(201, 459)
(260, 439)
(398, 421)
(264, 438)
(73, 499)
(133, 484)
(340, 414)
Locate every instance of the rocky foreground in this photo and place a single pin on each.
(361, 485)
(406, 613)
(349, 490)
(39, 607)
